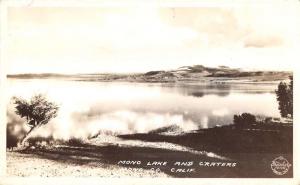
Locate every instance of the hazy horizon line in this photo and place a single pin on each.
(139, 72)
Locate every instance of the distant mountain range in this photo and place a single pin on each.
(185, 73)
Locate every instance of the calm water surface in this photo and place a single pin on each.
(89, 107)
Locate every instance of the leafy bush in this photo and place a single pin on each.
(244, 120)
(75, 141)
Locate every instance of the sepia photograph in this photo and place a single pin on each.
(150, 91)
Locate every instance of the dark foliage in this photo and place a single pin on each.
(11, 140)
(244, 120)
(75, 142)
(284, 94)
(150, 73)
(38, 111)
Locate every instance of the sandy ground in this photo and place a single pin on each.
(21, 164)
(30, 164)
(24, 165)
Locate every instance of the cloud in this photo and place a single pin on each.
(261, 41)
(86, 40)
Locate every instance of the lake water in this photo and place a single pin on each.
(122, 107)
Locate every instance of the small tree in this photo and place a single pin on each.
(284, 94)
(37, 111)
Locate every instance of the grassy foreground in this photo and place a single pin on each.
(252, 149)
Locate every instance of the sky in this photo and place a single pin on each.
(141, 39)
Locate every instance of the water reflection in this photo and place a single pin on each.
(202, 89)
(89, 107)
(197, 94)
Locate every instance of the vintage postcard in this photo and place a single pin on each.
(149, 90)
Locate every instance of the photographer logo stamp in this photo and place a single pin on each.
(280, 166)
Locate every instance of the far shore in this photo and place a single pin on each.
(196, 73)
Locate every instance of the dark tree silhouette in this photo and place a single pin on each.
(284, 94)
(37, 111)
(244, 120)
(290, 95)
